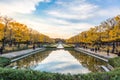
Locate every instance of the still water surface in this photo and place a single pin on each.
(60, 61)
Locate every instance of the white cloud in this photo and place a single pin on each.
(110, 12)
(82, 10)
(77, 9)
(57, 23)
(76, 16)
(54, 27)
(19, 6)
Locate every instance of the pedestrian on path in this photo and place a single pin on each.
(95, 49)
(33, 47)
(108, 50)
(1, 50)
(98, 48)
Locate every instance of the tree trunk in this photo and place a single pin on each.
(113, 47)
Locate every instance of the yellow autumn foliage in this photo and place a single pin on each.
(19, 32)
(105, 32)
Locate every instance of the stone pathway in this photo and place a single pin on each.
(101, 53)
(20, 53)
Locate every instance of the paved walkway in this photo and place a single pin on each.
(20, 53)
(99, 55)
(111, 55)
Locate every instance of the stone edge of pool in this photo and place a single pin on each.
(106, 59)
(25, 54)
(92, 54)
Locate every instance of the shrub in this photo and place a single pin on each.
(115, 62)
(4, 61)
(14, 74)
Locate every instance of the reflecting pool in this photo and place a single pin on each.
(60, 61)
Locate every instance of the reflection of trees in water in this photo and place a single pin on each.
(31, 61)
(90, 62)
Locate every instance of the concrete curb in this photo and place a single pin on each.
(93, 54)
(27, 54)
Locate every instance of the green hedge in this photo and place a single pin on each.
(68, 46)
(115, 62)
(4, 61)
(13, 74)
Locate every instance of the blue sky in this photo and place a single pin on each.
(60, 18)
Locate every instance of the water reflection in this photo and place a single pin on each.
(31, 61)
(61, 61)
(89, 62)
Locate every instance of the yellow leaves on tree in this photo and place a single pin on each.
(20, 32)
(108, 31)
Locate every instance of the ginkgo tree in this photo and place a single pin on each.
(12, 31)
(107, 32)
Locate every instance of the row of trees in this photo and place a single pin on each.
(13, 32)
(108, 32)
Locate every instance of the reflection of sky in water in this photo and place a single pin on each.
(61, 61)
